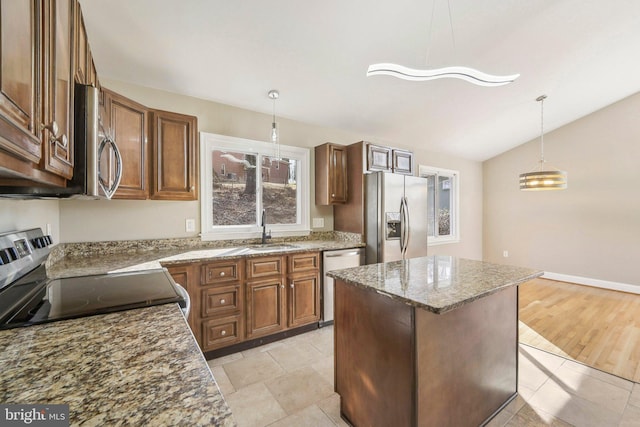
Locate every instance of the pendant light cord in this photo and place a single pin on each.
(453, 39)
(541, 99)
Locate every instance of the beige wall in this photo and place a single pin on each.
(590, 230)
(82, 220)
(23, 214)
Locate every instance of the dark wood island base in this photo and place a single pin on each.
(402, 365)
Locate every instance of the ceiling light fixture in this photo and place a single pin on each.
(468, 74)
(275, 137)
(543, 179)
(464, 73)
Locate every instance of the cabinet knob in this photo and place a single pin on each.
(222, 274)
(282, 286)
(222, 301)
(292, 285)
(223, 333)
(333, 194)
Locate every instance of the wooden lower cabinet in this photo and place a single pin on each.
(242, 299)
(303, 300)
(265, 307)
(221, 332)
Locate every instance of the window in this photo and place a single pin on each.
(240, 178)
(442, 205)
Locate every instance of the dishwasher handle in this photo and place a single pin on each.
(330, 254)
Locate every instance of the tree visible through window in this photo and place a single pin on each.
(242, 179)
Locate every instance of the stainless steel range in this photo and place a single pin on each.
(28, 296)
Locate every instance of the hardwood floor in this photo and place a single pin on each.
(597, 327)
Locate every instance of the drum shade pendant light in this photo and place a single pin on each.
(467, 74)
(275, 137)
(543, 179)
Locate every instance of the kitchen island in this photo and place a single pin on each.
(135, 367)
(429, 341)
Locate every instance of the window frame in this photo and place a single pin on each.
(208, 231)
(454, 214)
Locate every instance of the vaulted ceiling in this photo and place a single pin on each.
(583, 54)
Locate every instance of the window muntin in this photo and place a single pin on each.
(240, 178)
(442, 204)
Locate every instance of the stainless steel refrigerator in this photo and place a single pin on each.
(395, 217)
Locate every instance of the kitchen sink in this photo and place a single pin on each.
(258, 249)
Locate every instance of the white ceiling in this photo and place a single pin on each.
(584, 54)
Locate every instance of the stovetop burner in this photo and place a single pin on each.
(32, 298)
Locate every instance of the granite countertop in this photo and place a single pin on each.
(136, 367)
(436, 283)
(96, 263)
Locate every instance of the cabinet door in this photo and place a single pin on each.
(331, 174)
(19, 82)
(174, 157)
(81, 50)
(378, 158)
(127, 121)
(184, 275)
(58, 87)
(403, 162)
(304, 300)
(338, 174)
(265, 307)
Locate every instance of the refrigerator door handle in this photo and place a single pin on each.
(405, 226)
(402, 228)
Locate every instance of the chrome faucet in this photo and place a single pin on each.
(265, 236)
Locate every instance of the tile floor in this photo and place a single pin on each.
(290, 383)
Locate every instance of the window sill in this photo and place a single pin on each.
(436, 242)
(226, 235)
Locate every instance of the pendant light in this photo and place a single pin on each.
(467, 74)
(543, 179)
(275, 137)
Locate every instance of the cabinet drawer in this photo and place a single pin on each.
(264, 266)
(221, 300)
(221, 272)
(221, 332)
(304, 262)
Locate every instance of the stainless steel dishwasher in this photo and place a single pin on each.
(336, 260)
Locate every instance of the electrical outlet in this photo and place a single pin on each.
(318, 222)
(190, 225)
(505, 254)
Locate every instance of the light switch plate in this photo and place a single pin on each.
(318, 223)
(190, 225)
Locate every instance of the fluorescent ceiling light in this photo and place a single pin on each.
(464, 73)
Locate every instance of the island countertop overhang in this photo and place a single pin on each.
(436, 283)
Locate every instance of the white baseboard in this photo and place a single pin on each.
(597, 283)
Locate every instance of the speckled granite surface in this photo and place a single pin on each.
(98, 263)
(436, 283)
(136, 367)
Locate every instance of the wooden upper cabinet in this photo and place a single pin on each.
(379, 158)
(19, 79)
(81, 49)
(174, 168)
(403, 162)
(58, 87)
(331, 174)
(127, 122)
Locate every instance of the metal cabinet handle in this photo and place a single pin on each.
(223, 333)
(222, 274)
(282, 286)
(292, 285)
(333, 195)
(61, 141)
(222, 301)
